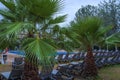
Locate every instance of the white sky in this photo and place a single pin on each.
(71, 7)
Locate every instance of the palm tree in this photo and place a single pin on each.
(90, 32)
(35, 22)
(61, 38)
(114, 40)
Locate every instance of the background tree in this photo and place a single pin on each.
(87, 11)
(109, 11)
(63, 41)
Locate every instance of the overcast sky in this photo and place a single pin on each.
(71, 6)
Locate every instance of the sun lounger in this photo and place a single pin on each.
(18, 63)
(18, 60)
(12, 75)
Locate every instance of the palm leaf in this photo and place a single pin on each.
(57, 19)
(9, 4)
(43, 8)
(39, 48)
(103, 30)
(90, 24)
(7, 14)
(86, 29)
(11, 29)
(6, 42)
(113, 39)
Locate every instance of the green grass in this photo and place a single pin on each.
(107, 73)
(110, 73)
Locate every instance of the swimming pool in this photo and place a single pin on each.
(18, 52)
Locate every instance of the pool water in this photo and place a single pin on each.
(18, 52)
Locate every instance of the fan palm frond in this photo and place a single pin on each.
(113, 39)
(11, 29)
(58, 20)
(7, 14)
(40, 49)
(43, 8)
(8, 4)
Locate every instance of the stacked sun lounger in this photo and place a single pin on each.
(16, 72)
(63, 58)
(102, 57)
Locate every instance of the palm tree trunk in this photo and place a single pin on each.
(30, 71)
(90, 69)
(46, 71)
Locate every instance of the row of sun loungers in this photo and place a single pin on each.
(70, 57)
(74, 69)
(68, 71)
(62, 58)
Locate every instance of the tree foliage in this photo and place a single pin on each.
(30, 22)
(108, 11)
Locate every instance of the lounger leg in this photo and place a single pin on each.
(2, 78)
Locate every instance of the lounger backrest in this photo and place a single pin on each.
(18, 60)
(60, 56)
(21, 66)
(15, 73)
(67, 55)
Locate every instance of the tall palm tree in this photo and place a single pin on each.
(21, 17)
(90, 32)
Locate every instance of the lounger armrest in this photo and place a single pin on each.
(15, 66)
